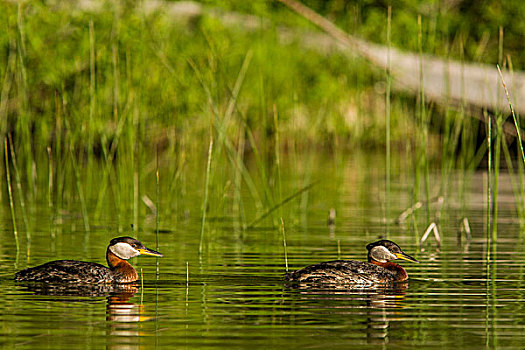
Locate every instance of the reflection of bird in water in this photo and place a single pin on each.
(72, 271)
(120, 310)
(378, 269)
(81, 289)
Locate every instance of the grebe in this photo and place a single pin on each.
(71, 271)
(378, 270)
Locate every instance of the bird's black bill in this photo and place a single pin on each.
(406, 257)
(150, 252)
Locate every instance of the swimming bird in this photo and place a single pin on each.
(71, 271)
(378, 270)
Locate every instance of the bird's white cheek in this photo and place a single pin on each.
(124, 251)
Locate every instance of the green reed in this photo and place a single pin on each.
(20, 192)
(59, 175)
(11, 202)
(8, 82)
(23, 121)
(285, 248)
(497, 151)
(206, 190)
(514, 183)
(50, 177)
(387, 111)
(266, 196)
(238, 206)
(496, 166)
(157, 206)
(516, 122)
(421, 161)
(489, 177)
(78, 183)
(187, 282)
(519, 193)
(110, 180)
(92, 87)
(141, 286)
(455, 125)
(521, 185)
(137, 167)
(424, 120)
(277, 147)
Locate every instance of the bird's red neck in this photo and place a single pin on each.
(123, 271)
(401, 274)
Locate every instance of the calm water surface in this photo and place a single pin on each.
(467, 295)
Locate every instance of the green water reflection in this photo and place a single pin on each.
(466, 296)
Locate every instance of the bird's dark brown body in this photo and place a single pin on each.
(378, 269)
(72, 271)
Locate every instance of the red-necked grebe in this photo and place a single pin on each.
(378, 270)
(70, 271)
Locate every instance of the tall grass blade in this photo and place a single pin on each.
(109, 177)
(206, 188)
(78, 183)
(515, 184)
(238, 83)
(489, 178)
(261, 168)
(141, 286)
(6, 88)
(11, 202)
(60, 161)
(238, 206)
(518, 130)
(187, 282)
(423, 122)
(23, 121)
(157, 187)
(222, 123)
(92, 91)
(50, 177)
(387, 111)
(284, 245)
(519, 199)
(495, 169)
(136, 160)
(20, 194)
(277, 147)
(497, 148)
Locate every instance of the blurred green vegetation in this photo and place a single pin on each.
(160, 79)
